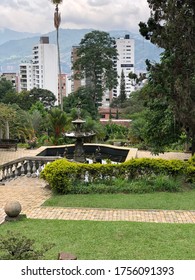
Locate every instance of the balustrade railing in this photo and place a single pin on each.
(29, 166)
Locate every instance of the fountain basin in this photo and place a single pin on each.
(115, 154)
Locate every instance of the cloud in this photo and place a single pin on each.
(105, 15)
(37, 16)
(98, 2)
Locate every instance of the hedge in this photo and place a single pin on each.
(62, 175)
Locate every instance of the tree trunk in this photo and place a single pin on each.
(59, 71)
(1, 132)
(193, 144)
(6, 129)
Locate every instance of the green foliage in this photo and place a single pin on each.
(172, 81)
(95, 62)
(26, 99)
(115, 131)
(67, 177)
(14, 246)
(46, 97)
(59, 122)
(145, 184)
(122, 96)
(6, 87)
(88, 106)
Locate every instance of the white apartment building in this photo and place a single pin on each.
(42, 71)
(126, 62)
(26, 76)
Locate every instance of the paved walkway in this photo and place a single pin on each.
(31, 193)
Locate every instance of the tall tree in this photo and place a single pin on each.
(59, 121)
(122, 96)
(57, 21)
(5, 88)
(46, 97)
(95, 63)
(7, 114)
(171, 26)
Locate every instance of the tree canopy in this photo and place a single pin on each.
(5, 87)
(171, 26)
(95, 63)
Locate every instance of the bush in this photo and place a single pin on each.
(14, 246)
(67, 177)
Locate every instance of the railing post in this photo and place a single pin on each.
(16, 170)
(28, 169)
(11, 172)
(22, 169)
(39, 168)
(34, 175)
(3, 174)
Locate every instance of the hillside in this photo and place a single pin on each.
(16, 47)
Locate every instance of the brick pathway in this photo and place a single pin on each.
(31, 193)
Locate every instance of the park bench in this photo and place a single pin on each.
(8, 144)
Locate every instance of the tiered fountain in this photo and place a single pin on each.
(80, 136)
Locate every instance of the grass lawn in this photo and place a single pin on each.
(159, 200)
(110, 240)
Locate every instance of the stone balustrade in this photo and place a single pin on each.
(28, 166)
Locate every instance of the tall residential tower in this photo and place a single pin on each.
(42, 71)
(125, 62)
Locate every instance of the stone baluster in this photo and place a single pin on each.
(22, 169)
(39, 168)
(8, 172)
(11, 174)
(3, 174)
(16, 170)
(34, 175)
(28, 169)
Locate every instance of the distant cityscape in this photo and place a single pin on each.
(41, 69)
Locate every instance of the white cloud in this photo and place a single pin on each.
(37, 16)
(99, 2)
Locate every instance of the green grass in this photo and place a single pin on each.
(159, 200)
(110, 240)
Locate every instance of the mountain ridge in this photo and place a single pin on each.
(13, 51)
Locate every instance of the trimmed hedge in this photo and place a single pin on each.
(63, 175)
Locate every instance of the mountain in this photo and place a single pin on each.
(18, 47)
(8, 35)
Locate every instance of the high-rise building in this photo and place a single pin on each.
(42, 71)
(26, 76)
(125, 62)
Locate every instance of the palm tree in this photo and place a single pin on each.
(59, 122)
(57, 21)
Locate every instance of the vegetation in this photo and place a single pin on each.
(58, 120)
(110, 240)
(171, 85)
(66, 177)
(95, 62)
(18, 247)
(182, 200)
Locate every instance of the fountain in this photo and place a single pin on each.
(88, 152)
(79, 135)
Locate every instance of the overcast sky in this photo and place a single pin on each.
(37, 15)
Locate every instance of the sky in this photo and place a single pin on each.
(37, 15)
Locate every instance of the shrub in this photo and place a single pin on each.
(66, 177)
(14, 246)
